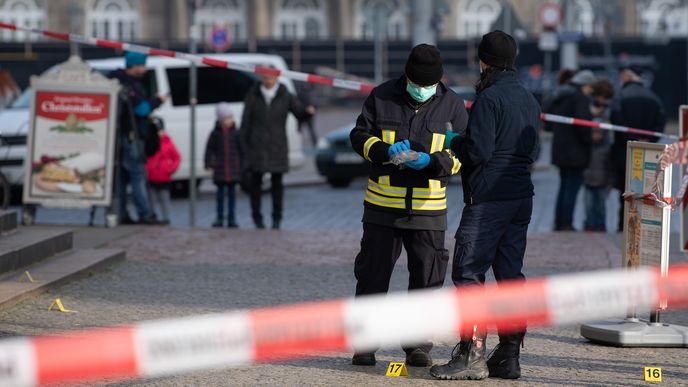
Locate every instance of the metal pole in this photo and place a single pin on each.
(378, 25)
(193, 36)
(422, 17)
(507, 16)
(547, 68)
(569, 49)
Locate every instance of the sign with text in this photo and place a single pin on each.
(71, 138)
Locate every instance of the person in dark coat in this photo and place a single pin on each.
(264, 140)
(571, 146)
(636, 106)
(223, 155)
(132, 129)
(500, 144)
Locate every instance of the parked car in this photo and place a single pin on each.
(336, 160)
(166, 76)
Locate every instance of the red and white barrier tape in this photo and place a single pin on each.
(240, 338)
(295, 75)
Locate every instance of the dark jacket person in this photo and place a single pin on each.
(500, 144)
(264, 141)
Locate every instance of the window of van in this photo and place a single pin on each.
(214, 85)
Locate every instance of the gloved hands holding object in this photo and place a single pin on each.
(399, 146)
(420, 163)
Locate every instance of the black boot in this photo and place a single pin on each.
(467, 362)
(503, 362)
(363, 359)
(418, 357)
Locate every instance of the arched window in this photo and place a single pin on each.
(301, 19)
(475, 17)
(663, 18)
(393, 11)
(24, 13)
(231, 13)
(113, 19)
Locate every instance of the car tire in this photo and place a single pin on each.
(339, 182)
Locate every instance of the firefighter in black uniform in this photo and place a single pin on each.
(500, 144)
(407, 204)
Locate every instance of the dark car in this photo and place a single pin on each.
(337, 161)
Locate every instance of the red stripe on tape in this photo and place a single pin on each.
(300, 330)
(109, 44)
(581, 122)
(673, 287)
(319, 80)
(56, 35)
(215, 62)
(367, 88)
(85, 356)
(508, 305)
(267, 71)
(8, 26)
(159, 52)
(641, 131)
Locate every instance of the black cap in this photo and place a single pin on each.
(424, 65)
(498, 49)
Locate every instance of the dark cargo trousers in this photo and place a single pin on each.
(380, 249)
(492, 235)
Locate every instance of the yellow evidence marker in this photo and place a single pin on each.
(60, 307)
(26, 276)
(397, 369)
(653, 374)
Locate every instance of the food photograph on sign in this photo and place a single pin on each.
(69, 145)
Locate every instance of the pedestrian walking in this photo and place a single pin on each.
(406, 205)
(223, 154)
(264, 140)
(500, 144)
(160, 167)
(133, 125)
(571, 146)
(636, 106)
(597, 178)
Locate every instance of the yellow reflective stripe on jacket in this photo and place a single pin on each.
(456, 166)
(386, 190)
(384, 180)
(367, 145)
(388, 136)
(400, 203)
(437, 142)
(436, 191)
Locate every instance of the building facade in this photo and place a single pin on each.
(247, 20)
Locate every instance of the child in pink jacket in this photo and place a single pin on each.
(160, 168)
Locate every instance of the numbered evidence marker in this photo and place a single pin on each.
(60, 307)
(397, 369)
(653, 374)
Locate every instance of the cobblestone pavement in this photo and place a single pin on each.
(175, 271)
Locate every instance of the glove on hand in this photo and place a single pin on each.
(422, 162)
(397, 147)
(449, 137)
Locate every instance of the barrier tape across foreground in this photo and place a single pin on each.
(241, 338)
(295, 75)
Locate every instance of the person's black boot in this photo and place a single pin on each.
(258, 221)
(217, 223)
(467, 362)
(418, 358)
(503, 363)
(363, 359)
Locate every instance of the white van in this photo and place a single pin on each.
(166, 76)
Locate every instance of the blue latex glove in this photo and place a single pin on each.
(448, 138)
(399, 146)
(422, 162)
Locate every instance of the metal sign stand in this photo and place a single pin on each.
(646, 243)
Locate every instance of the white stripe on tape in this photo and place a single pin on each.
(295, 75)
(346, 84)
(17, 363)
(174, 346)
(378, 321)
(579, 298)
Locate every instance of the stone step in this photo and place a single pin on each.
(8, 221)
(29, 245)
(53, 272)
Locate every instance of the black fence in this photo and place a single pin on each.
(665, 61)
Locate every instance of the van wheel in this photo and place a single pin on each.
(339, 182)
(180, 188)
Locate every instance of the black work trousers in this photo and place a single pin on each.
(380, 249)
(277, 190)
